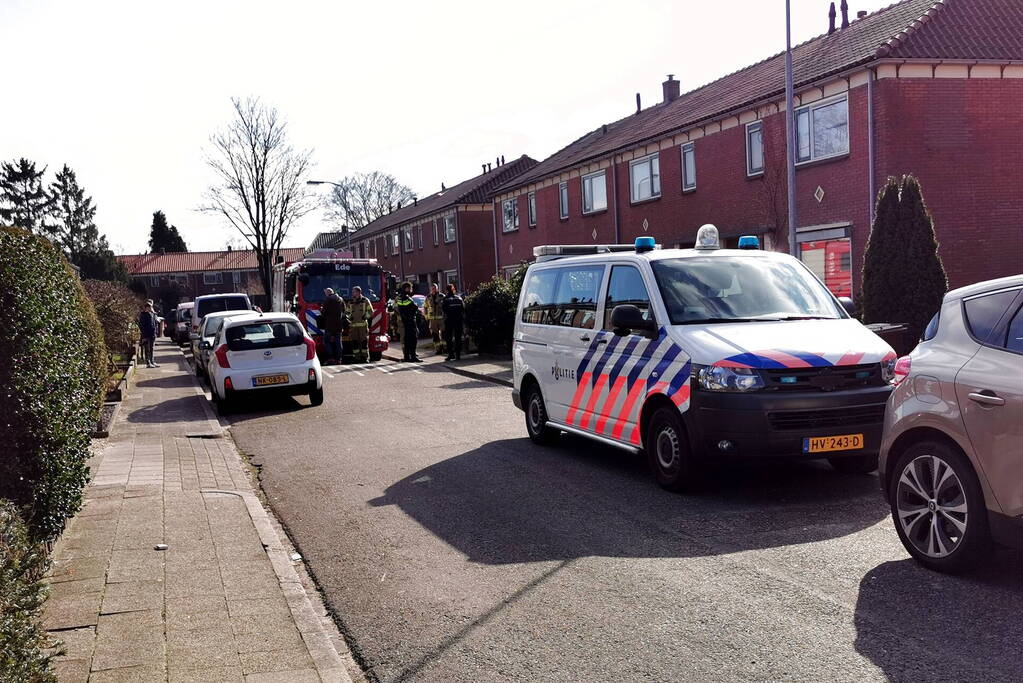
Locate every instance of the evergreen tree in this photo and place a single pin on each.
(73, 229)
(903, 277)
(24, 201)
(163, 237)
(99, 263)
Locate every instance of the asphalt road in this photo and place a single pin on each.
(455, 550)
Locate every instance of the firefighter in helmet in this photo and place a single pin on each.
(435, 315)
(407, 311)
(360, 312)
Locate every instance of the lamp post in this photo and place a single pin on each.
(344, 228)
(790, 130)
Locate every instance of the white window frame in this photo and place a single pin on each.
(449, 222)
(648, 159)
(589, 176)
(563, 199)
(409, 240)
(236, 277)
(531, 209)
(209, 279)
(513, 224)
(436, 233)
(420, 236)
(451, 276)
(688, 184)
(757, 126)
(809, 111)
(395, 244)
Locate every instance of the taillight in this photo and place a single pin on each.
(312, 375)
(901, 372)
(310, 348)
(228, 384)
(221, 354)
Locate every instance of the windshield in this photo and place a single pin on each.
(260, 335)
(342, 284)
(221, 303)
(213, 325)
(737, 288)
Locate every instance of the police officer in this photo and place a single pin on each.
(360, 312)
(435, 315)
(454, 310)
(407, 312)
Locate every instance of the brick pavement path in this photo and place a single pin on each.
(224, 601)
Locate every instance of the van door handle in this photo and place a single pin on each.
(587, 338)
(987, 397)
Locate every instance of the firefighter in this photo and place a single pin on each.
(435, 315)
(332, 317)
(360, 312)
(407, 310)
(454, 310)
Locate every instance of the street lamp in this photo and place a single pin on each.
(344, 228)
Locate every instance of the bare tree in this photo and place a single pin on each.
(359, 199)
(260, 188)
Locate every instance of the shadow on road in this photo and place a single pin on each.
(510, 501)
(919, 625)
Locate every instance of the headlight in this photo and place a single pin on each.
(719, 378)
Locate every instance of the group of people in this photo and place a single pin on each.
(445, 313)
(336, 316)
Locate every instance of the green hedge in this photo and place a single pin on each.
(490, 312)
(52, 366)
(22, 640)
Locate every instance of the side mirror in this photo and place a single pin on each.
(626, 319)
(206, 345)
(848, 304)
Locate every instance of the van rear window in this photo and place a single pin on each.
(268, 335)
(222, 303)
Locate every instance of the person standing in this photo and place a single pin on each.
(407, 312)
(360, 311)
(434, 315)
(332, 313)
(148, 327)
(454, 321)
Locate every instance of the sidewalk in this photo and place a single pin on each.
(223, 601)
(495, 370)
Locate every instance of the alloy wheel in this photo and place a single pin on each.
(931, 506)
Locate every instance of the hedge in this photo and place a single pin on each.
(52, 367)
(117, 309)
(22, 564)
(490, 312)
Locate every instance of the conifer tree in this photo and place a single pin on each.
(164, 237)
(24, 201)
(73, 228)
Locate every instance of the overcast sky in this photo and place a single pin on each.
(127, 93)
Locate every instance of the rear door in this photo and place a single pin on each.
(581, 344)
(989, 389)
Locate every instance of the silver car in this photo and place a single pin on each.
(952, 453)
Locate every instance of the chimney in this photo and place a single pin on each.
(831, 19)
(862, 13)
(497, 161)
(163, 250)
(484, 167)
(415, 201)
(670, 88)
(603, 129)
(442, 188)
(502, 160)
(845, 14)
(639, 106)
(229, 248)
(399, 204)
(488, 168)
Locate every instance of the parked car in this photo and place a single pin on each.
(171, 324)
(183, 326)
(952, 454)
(263, 353)
(212, 303)
(202, 341)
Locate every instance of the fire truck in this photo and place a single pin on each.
(298, 288)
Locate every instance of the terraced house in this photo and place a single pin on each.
(445, 237)
(933, 88)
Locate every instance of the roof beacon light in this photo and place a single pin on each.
(707, 238)
(644, 244)
(749, 242)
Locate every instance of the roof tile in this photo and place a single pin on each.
(197, 261)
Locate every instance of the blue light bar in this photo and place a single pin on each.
(749, 242)
(645, 244)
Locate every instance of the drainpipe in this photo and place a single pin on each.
(614, 191)
(871, 158)
(497, 253)
(458, 248)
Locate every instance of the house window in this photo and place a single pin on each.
(451, 278)
(646, 178)
(449, 229)
(436, 234)
(563, 195)
(594, 192)
(822, 130)
(213, 278)
(236, 276)
(689, 166)
(154, 280)
(395, 244)
(420, 236)
(408, 239)
(531, 208)
(510, 211)
(755, 148)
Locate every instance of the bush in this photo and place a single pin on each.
(52, 367)
(490, 312)
(22, 591)
(117, 309)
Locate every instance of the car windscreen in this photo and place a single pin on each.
(263, 335)
(342, 284)
(213, 325)
(222, 303)
(726, 288)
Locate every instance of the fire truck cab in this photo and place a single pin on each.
(299, 285)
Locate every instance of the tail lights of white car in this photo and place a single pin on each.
(901, 370)
(221, 354)
(310, 348)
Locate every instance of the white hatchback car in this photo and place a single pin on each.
(264, 353)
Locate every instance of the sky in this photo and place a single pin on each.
(128, 93)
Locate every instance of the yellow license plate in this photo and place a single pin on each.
(824, 444)
(267, 380)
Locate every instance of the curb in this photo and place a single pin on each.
(464, 372)
(328, 662)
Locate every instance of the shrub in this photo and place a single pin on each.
(490, 312)
(52, 367)
(117, 309)
(22, 591)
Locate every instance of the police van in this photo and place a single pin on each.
(697, 354)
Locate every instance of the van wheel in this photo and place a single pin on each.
(938, 507)
(536, 418)
(668, 450)
(316, 397)
(854, 464)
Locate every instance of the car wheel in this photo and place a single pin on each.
(536, 418)
(374, 356)
(316, 397)
(938, 507)
(223, 404)
(668, 450)
(854, 464)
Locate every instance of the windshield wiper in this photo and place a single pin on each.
(701, 321)
(807, 317)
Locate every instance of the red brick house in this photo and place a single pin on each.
(929, 87)
(445, 237)
(171, 278)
